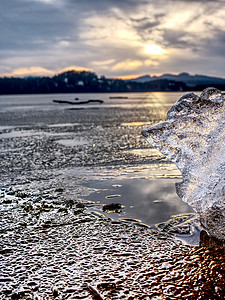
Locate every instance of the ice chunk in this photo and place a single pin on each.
(193, 137)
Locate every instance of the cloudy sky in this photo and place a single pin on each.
(112, 37)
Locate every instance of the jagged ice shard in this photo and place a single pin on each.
(193, 137)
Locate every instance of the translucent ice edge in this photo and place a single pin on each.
(193, 137)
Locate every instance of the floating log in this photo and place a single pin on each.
(78, 103)
(118, 97)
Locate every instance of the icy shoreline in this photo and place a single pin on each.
(60, 251)
(52, 247)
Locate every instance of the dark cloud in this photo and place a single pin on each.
(198, 1)
(146, 24)
(30, 24)
(215, 46)
(176, 39)
(101, 5)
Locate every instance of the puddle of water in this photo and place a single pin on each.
(191, 239)
(136, 123)
(27, 133)
(141, 200)
(63, 125)
(78, 141)
(151, 201)
(145, 152)
(18, 133)
(5, 127)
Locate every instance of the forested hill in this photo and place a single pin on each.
(86, 82)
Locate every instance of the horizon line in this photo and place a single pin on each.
(123, 77)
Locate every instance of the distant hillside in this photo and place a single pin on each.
(189, 80)
(89, 82)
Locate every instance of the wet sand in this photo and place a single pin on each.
(56, 243)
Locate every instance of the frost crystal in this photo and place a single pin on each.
(193, 137)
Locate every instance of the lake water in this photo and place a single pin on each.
(94, 152)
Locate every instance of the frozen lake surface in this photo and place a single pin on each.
(91, 151)
(80, 188)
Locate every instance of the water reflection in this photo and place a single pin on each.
(77, 141)
(152, 201)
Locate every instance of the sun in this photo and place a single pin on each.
(154, 49)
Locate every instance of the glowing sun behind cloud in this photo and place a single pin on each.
(154, 49)
(112, 38)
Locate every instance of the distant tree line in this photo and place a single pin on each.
(88, 82)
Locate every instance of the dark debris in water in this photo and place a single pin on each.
(113, 207)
